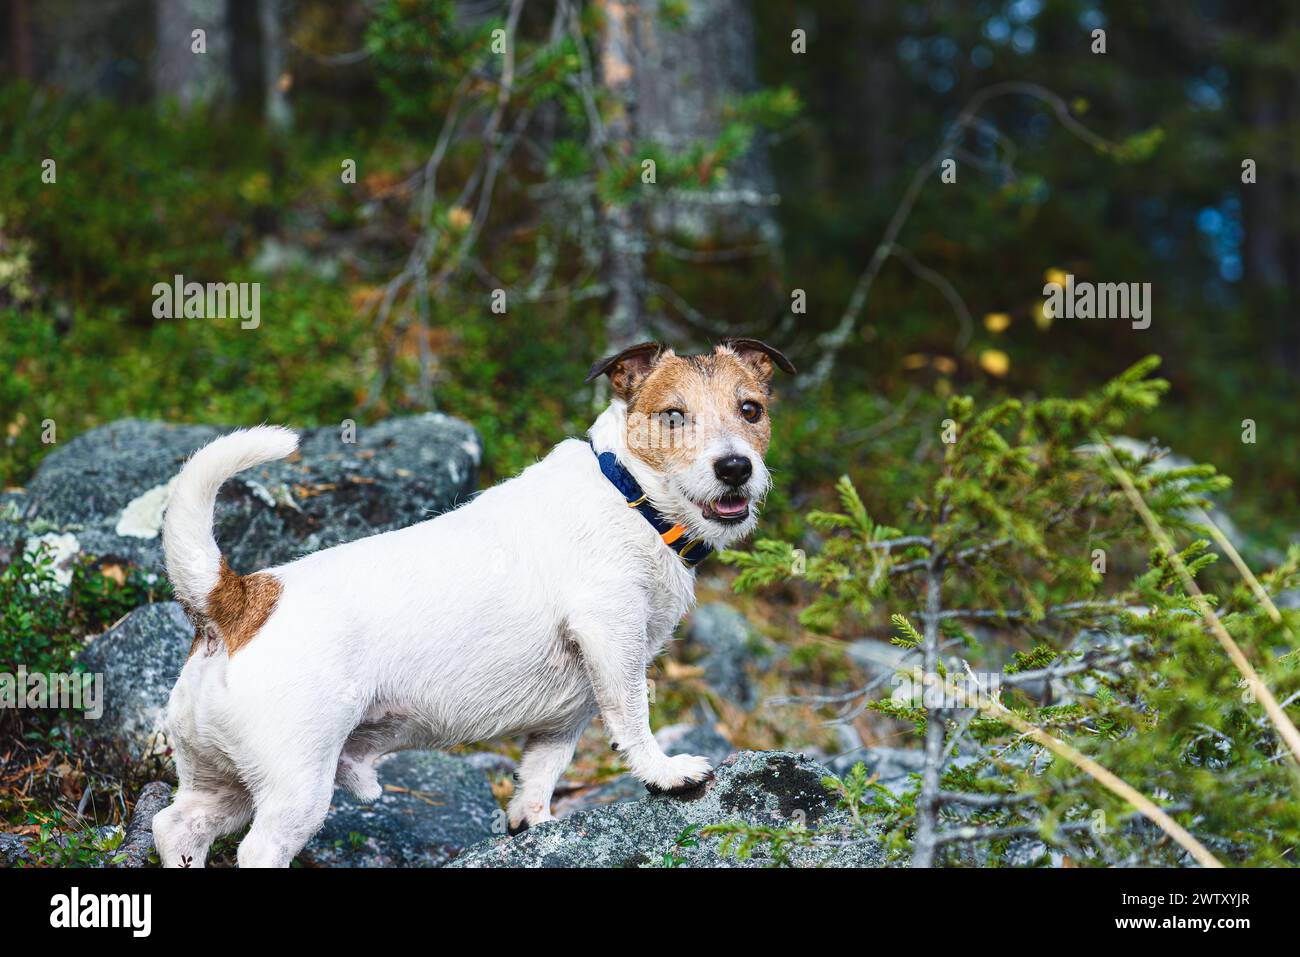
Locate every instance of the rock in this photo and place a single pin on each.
(491, 763)
(892, 765)
(434, 805)
(140, 658)
(880, 659)
(700, 739)
(729, 645)
(614, 791)
(682, 738)
(106, 489)
(754, 787)
(13, 849)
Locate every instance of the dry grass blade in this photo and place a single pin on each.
(1243, 569)
(1108, 780)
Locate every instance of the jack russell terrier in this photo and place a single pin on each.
(525, 612)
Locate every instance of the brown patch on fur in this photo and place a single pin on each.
(239, 606)
(710, 390)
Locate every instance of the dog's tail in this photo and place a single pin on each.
(193, 559)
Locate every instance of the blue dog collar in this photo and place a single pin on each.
(691, 551)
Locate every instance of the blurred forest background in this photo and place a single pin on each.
(449, 206)
(777, 171)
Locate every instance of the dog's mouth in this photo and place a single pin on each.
(729, 510)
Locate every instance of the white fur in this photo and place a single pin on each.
(525, 612)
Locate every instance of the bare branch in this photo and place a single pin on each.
(831, 343)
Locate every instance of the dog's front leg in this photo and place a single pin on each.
(615, 663)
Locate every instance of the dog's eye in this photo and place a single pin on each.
(751, 411)
(675, 418)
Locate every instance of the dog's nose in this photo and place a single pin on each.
(735, 470)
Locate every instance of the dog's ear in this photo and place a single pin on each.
(759, 356)
(628, 369)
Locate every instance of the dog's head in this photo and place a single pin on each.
(696, 429)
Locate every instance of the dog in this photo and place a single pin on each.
(524, 613)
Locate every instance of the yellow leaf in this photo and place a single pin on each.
(116, 572)
(995, 362)
(1042, 316)
(916, 360)
(996, 321)
(1058, 276)
(459, 217)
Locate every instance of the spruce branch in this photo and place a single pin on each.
(1276, 715)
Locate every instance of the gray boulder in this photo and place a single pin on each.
(727, 645)
(616, 790)
(104, 492)
(702, 739)
(140, 658)
(14, 849)
(434, 805)
(879, 659)
(753, 787)
(490, 763)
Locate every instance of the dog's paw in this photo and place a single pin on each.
(360, 779)
(522, 813)
(368, 792)
(684, 773)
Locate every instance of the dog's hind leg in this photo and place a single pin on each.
(544, 759)
(369, 742)
(356, 768)
(185, 830)
(290, 807)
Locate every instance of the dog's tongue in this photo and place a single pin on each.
(731, 507)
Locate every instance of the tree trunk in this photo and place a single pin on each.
(275, 80)
(623, 234)
(20, 40)
(1262, 201)
(672, 83)
(876, 92)
(191, 78)
(687, 74)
